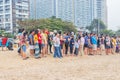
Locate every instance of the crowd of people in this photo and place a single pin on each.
(40, 43)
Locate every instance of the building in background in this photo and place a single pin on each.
(83, 12)
(101, 10)
(11, 11)
(41, 9)
(65, 10)
(80, 12)
(87, 10)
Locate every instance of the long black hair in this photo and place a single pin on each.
(36, 31)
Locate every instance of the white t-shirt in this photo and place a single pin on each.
(82, 41)
(56, 41)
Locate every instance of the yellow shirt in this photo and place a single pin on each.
(114, 42)
(44, 40)
(35, 38)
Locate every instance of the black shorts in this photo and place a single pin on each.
(86, 45)
(107, 47)
(98, 46)
(61, 45)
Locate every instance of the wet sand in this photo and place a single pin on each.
(104, 67)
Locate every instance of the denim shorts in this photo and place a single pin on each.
(24, 48)
(43, 45)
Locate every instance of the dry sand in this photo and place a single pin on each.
(12, 67)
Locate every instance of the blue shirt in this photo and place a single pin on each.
(0, 41)
(94, 40)
(66, 39)
(76, 44)
(71, 42)
(86, 39)
(31, 37)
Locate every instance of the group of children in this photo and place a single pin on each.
(42, 42)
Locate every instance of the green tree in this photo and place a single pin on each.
(118, 32)
(51, 24)
(94, 25)
(108, 32)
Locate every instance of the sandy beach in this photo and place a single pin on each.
(104, 67)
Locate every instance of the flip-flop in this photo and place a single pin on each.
(37, 57)
(25, 58)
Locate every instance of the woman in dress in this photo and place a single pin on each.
(23, 45)
(37, 51)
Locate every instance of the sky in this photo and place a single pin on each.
(113, 14)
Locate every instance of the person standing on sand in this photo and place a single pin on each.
(56, 42)
(61, 43)
(19, 35)
(0, 41)
(23, 45)
(90, 44)
(76, 45)
(98, 46)
(40, 40)
(102, 45)
(86, 44)
(46, 32)
(31, 42)
(37, 51)
(113, 43)
(94, 44)
(50, 38)
(44, 44)
(81, 48)
(107, 44)
(118, 44)
(71, 45)
(67, 38)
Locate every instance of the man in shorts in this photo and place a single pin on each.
(31, 42)
(102, 45)
(94, 43)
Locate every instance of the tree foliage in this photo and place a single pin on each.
(108, 32)
(94, 25)
(118, 32)
(3, 33)
(51, 24)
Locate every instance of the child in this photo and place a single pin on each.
(76, 44)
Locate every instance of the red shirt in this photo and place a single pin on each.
(4, 40)
(47, 32)
(39, 39)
